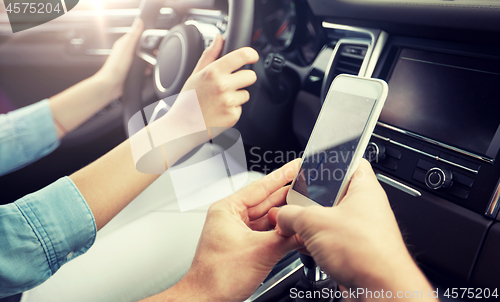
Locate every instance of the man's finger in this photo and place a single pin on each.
(271, 215)
(363, 177)
(210, 54)
(276, 199)
(284, 244)
(261, 224)
(237, 59)
(287, 218)
(259, 190)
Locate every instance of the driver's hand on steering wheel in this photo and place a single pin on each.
(219, 84)
(115, 69)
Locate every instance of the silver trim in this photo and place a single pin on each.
(334, 54)
(98, 52)
(317, 275)
(434, 142)
(152, 32)
(183, 63)
(378, 38)
(400, 186)
(494, 206)
(442, 179)
(205, 12)
(435, 157)
(377, 51)
(375, 45)
(207, 30)
(146, 57)
(371, 32)
(276, 279)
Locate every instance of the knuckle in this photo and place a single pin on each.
(220, 88)
(227, 99)
(223, 87)
(210, 73)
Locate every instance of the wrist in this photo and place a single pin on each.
(401, 274)
(109, 86)
(185, 290)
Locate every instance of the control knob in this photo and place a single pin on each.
(437, 178)
(375, 152)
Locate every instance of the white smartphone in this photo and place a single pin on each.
(338, 141)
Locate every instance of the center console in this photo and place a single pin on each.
(440, 128)
(435, 150)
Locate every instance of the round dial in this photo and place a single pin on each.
(437, 178)
(279, 21)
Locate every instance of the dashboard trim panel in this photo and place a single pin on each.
(276, 279)
(373, 33)
(437, 158)
(400, 186)
(377, 51)
(494, 206)
(434, 142)
(324, 89)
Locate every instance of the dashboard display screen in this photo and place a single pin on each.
(452, 99)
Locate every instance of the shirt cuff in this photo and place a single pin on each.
(30, 133)
(61, 220)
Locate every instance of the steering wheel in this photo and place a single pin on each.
(179, 51)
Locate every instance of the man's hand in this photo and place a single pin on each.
(237, 250)
(219, 83)
(358, 242)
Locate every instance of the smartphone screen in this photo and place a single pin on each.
(331, 147)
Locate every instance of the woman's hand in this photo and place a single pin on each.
(75, 105)
(219, 84)
(115, 69)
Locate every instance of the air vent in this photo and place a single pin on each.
(348, 60)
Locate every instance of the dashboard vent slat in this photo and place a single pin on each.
(348, 60)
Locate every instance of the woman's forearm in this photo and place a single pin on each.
(75, 105)
(112, 182)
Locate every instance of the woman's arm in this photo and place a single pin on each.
(75, 105)
(29, 133)
(112, 182)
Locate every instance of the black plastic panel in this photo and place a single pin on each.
(477, 15)
(487, 271)
(476, 197)
(439, 234)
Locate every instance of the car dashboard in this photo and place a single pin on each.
(438, 138)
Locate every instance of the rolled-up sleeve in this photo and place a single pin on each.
(40, 232)
(26, 135)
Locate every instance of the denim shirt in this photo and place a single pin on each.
(43, 230)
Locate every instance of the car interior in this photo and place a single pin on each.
(436, 143)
